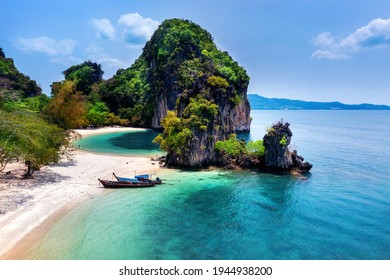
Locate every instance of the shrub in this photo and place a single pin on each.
(231, 147)
(218, 82)
(255, 148)
(283, 141)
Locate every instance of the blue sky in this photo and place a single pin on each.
(321, 50)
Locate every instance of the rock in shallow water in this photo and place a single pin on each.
(278, 158)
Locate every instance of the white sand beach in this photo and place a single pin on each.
(31, 206)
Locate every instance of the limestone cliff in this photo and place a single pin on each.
(182, 56)
(206, 128)
(179, 62)
(203, 86)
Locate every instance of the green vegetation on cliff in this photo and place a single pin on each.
(179, 57)
(11, 80)
(205, 87)
(178, 63)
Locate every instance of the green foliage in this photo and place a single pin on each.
(175, 135)
(126, 94)
(218, 82)
(232, 147)
(98, 114)
(236, 99)
(11, 101)
(11, 79)
(179, 57)
(38, 103)
(84, 75)
(25, 135)
(67, 107)
(197, 116)
(270, 130)
(283, 141)
(236, 148)
(199, 112)
(255, 148)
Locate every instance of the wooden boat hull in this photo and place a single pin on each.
(139, 178)
(118, 185)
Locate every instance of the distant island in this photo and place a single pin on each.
(258, 102)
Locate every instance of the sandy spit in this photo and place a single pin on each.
(37, 203)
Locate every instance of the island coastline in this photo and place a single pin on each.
(67, 185)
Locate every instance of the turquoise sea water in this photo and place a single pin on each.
(136, 143)
(342, 210)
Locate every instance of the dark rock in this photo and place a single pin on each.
(278, 158)
(230, 118)
(248, 162)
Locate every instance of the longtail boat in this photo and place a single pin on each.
(119, 184)
(140, 178)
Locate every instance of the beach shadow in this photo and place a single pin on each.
(65, 164)
(16, 192)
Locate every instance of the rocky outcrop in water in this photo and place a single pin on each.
(278, 158)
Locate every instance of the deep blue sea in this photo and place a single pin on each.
(341, 210)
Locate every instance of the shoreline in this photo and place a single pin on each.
(59, 188)
(107, 129)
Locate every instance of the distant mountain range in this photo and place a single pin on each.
(263, 103)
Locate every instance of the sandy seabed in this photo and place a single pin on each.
(29, 207)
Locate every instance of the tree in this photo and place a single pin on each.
(98, 114)
(25, 135)
(84, 75)
(67, 107)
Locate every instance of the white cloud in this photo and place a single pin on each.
(137, 28)
(104, 28)
(66, 60)
(97, 54)
(375, 34)
(324, 39)
(328, 55)
(110, 62)
(47, 46)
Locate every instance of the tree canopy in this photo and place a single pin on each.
(67, 107)
(25, 135)
(84, 75)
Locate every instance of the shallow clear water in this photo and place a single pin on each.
(136, 143)
(341, 211)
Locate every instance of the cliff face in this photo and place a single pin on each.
(187, 74)
(229, 118)
(182, 56)
(175, 65)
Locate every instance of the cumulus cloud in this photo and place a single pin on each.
(329, 55)
(97, 54)
(66, 60)
(104, 28)
(137, 29)
(375, 34)
(47, 46)
(110, 62)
